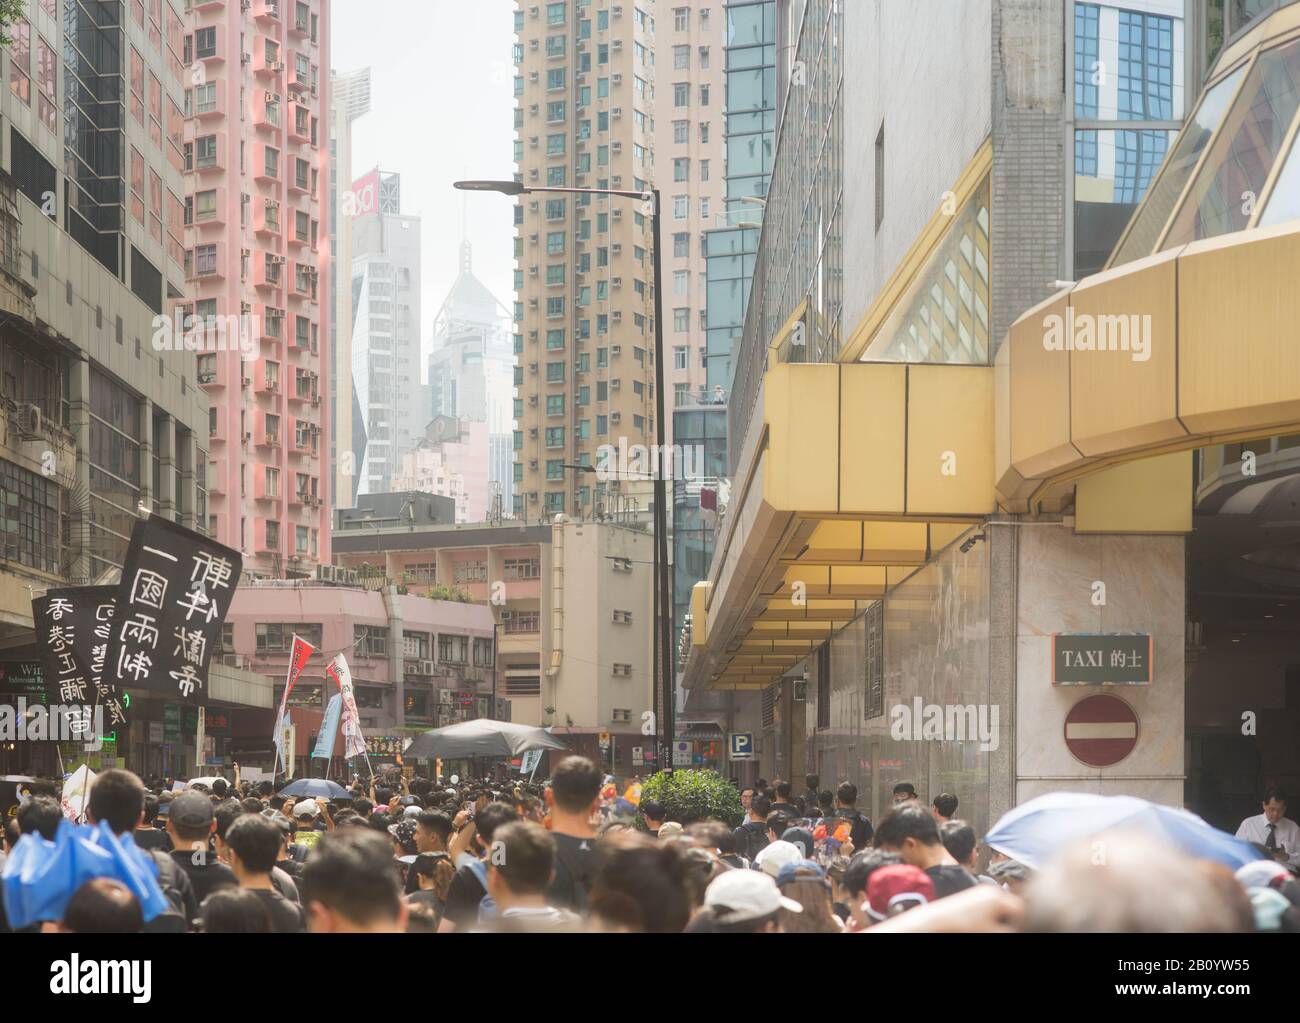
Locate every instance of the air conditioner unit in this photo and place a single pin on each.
(532, 45)
(532, 433)
(532, 141)
(272, 441)
(616, 350)
(533, 109)
(426, 667)
(615, 417)
(532, 270)
(616, 45)
(277, 65)
(532, 11)
(532, 334)
(233, 660)
(532, 464)
(29, 420)
(532, 76)
(532, 238)
(616, 282)
(532, 401)
(617, 147)
(615, 384)
(616, 112)
(272, 97)
(618, 214)
(617, 77)
(616, 248)
(248, 438)
(616, 316)
(532, 367)
(617, 10)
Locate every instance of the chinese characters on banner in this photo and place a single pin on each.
(73, 627)
(354, 743)
(302, 651)
(176, 589)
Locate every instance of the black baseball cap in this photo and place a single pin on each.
(191, 810)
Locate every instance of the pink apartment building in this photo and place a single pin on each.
(257, 252)
(414, 661)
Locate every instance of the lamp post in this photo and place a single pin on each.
(663, 601)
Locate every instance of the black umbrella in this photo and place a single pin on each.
(481, 738)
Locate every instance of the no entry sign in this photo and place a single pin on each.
(1100, 731)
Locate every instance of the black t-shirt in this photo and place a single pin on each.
(207, 875)
(862, 831)
(463, 896)
(575, 868)
(286, 916)
(949, 879)
(151, 838)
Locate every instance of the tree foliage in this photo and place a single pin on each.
(691, 796)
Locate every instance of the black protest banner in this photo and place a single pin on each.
(175, 591)
(73, 628)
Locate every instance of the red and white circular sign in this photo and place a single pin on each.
(1100, 731)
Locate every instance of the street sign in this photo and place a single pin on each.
(1100, 731)
(740, 746)
(682, 754)
(1114, 658)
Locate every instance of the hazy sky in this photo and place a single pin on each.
(442, 106)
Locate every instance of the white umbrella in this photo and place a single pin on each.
(482, 737)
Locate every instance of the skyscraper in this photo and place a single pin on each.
(471, 372)
(386, 357)
(583, 314)
(349, 101)
(255, 173)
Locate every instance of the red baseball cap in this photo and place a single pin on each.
(895, 888)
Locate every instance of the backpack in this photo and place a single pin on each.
(175, 884)
(751, 839)
(487, 907)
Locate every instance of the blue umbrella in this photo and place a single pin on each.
(316, 788)
(40, 877)
(1033, 832)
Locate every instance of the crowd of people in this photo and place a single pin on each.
(581, 854)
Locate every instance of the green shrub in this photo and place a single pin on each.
(691, 796)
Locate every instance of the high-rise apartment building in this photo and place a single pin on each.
(386, 355)
(584, 329)
(690, 129)
(349, 101)
(256, 163)
(471, 375)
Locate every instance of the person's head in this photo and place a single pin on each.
(846, 794)
(806, 883)
(40, 815)
(220, 788)
(857, 876)
(349, 884)
(277, 802)
(895, 889)
(190, 820)
(234, 911)
(910, 831)
(150, 809)
(116, 797)
(945, 806)
(265, 790)
(904, 792)
(488, 819)
(746, 902)
(251, 805)
(759, 807)
(826, 801)
(653, 811)
(959, 839)
(1274, 804)
(1140, 886)
(575, 786)
(746, 795)
(254, 842)
(521, 863)
(783, 790)
(777, 823)
(433, 872)
(432, 829)
(642, 887)
(12, 833)
(103, 906)
(813, 782)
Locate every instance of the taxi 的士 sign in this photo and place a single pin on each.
(1080, 659)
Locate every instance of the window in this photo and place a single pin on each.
(277, 637)
(205, 42)
(681, 58)
(522, 621)
(29, 511)
(521, 568)
(681, 19)
(681, 131)
(681, 245)
(681, 320)
(483, 652)
(453, 649)
(682, 169)
(682, 94)
(681, 355)
(205, 98)
(205, 151)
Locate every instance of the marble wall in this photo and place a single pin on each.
(1144, 579)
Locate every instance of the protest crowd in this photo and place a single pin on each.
(580, 853)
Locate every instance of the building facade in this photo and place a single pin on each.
(350, 101)
(256, 170)
(471, 376)
(449, 460)
(571, 600)
(935, 490)
(386, 349)
(584, 332)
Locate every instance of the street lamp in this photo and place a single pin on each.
(663, 601)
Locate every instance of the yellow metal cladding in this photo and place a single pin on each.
(1127, 399)
(700, 612)
(1239, 307)
(1038, 410)
(1151, 495)
(801, 404)
(949, 440)
(873, 421)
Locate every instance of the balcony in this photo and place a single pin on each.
(266, 220)
(267, 65)
(266, 171)
(301, 23)
(299, 132)
(268, 275)
(216, 54)
(206, 270)
(265, 489)
(209, 5)
(269, 112)
(267, 377)
(266, 11)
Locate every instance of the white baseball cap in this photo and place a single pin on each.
(775, 855)
(740, 895)
(307, 808)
